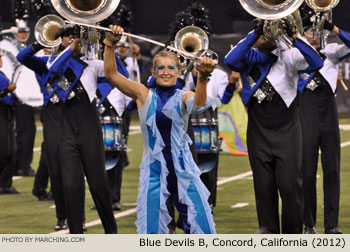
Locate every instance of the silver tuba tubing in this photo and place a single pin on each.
(46, 30)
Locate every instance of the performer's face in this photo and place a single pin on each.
(22, 36)
(265, 43)
(66, 40)
(312, 39)
(166, 72)
(123, 51)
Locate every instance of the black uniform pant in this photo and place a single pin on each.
(25, 130)
(320, 128)
(82, 151)
(42, 174)
(274, 148)
(52, 114)
(6, 146)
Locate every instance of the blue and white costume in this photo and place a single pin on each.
(168, 168)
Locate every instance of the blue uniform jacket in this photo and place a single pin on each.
(345, 37)
(104, 86)
(7, 98)
(243, 58)
(65, 62)
(38, 65)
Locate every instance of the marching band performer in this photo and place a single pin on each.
(6, 137)
(167, 169)
(320, 128)
(218, 86)
(24, 114)
(81, 144)
(114, 102)
(51, 119)
(274, 141)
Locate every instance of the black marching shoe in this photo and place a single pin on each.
(116, 206)
(26, 173)
(8, 190)
(84, 227)
(41, 194)
(61, 224)
(310, 230)
(332, 231)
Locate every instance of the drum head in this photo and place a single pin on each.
(111, 159)
(207, 162)
(28, 89)
(9, 60)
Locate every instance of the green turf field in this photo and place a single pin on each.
(23, 213)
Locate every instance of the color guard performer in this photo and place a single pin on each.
(167, 169)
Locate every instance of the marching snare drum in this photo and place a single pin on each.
(206, 140)
(112, 133)
(27, 87)
(206, 135)
(113, 139)
(9, 61)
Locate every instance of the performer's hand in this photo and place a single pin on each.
(37, 47)
(258, 25)
(135, 49)
(234, 77)
(11, 87)
(328, 25)
(113, 37)
(205, 68)
(339, 77)
(74, 44)
(289, 28)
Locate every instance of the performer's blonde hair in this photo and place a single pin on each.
(168, 54)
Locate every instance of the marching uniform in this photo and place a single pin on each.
(52, 111)
(274, 133)
(6, 137)
(25, 130)
(81, 148)
(320, 128)
(168, 169)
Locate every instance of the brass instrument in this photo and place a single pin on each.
(192, 43)
(91, 11)
(272, 11)
(46, 30)
(323, 11)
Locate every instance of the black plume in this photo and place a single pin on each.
(21, 9)
(40, 8)
(196, 14)
(124, 17)
(201, 16)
